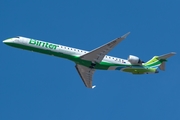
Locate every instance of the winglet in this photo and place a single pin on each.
(125, 35)
(93, 86)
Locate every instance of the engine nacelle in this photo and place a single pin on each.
(134, 59)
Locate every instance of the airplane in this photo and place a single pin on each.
(89, 61)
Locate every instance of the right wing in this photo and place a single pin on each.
(96, 55)
(86, 75)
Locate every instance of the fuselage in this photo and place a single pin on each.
(73, 54)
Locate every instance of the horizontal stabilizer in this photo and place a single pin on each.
(164, 57)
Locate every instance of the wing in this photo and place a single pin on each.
(86, 75)
(98, 54)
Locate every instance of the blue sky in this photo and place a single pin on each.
(36, 86)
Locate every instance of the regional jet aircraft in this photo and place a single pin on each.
(89, 61)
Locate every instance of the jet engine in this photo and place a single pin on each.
(134, 60)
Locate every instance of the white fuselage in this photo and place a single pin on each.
(62, 49)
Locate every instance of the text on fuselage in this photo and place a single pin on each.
(43, 44)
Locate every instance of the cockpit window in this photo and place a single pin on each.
(17, 37)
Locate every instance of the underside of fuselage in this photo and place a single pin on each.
(140, 71)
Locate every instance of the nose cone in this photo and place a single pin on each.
(8, 41)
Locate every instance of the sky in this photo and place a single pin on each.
(34, 86)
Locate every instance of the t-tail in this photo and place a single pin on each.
(159, 61)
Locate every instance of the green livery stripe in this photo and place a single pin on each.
(153, 62)
(154, 59)
(138, 71)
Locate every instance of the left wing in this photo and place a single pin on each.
(86, 75)
(98, 54)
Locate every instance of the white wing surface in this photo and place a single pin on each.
(86, 75)
(95, 56)
(98, 54)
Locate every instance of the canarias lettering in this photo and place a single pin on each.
(43, 44)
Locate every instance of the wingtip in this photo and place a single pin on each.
(125, 35)
(93, 86)
(173, 53)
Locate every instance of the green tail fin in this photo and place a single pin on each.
(159, 61)
(154, 59)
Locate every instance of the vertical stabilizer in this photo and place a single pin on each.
(159, 61)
